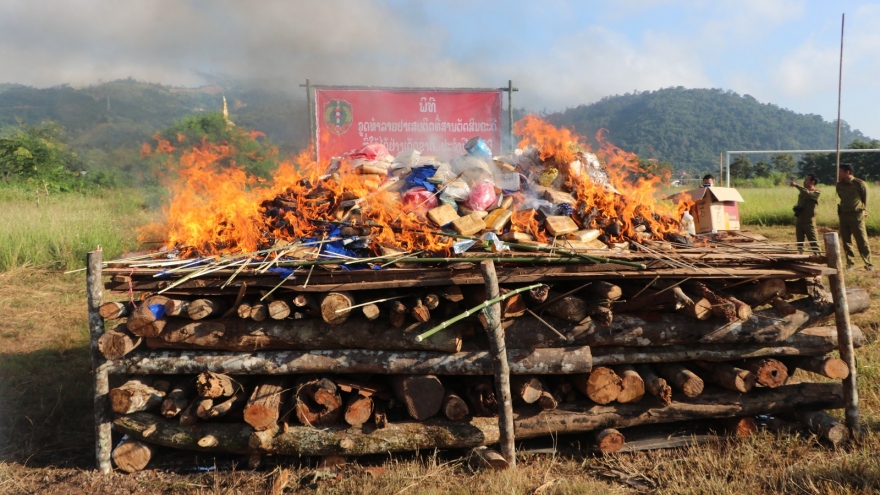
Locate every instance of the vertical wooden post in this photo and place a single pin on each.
(844, 331)
(499, 363)
(95, 291)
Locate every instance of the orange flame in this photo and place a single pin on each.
(216, 207)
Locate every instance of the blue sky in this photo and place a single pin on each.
(560, 53)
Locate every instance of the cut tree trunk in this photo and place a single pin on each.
(827, 366)
(134, 396)
(570, 308)
(358, 410)
(132, 456)
(682, 378)
(398, 314)
(335, 307)
(421, 394)
(759, 292)
(371, 311)
(609, 441)
(420, 312)
(768, 371)
(279, 310)
(729, 376)
(211, 385)
(147, 320)
(454, 407)
(721, 307)
(204, 308)
(672, 329)
(825, 426)
(259, 312)
(741, 426)
(178, 398)
(318, 403)
(481, 395)
(546, 401)
(655, 385)
(782, 306)
(743, 310)
(513, 306)
(232, 334)
(632, 385)
(602, 385)
(432, 301)
(244, 310)
(601, 290)
(219, 407)
(525, 388)
(539, 294)
(177, 307)
(444, 434)
(558, 360)
(117, 342)
(380, 417)
(263, 408)
(188, 416)
(481, 458)
(115, 310)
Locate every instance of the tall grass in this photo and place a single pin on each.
(57, 230)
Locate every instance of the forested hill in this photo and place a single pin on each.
(690, 127)
(107, 123)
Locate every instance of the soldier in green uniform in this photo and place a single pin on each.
(805, 213)
(851, 211)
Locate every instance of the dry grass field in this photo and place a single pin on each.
(46, 429)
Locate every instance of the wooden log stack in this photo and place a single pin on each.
(342, 368)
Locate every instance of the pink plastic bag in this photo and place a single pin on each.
(372, 152)
(419, 196)
(482, 196)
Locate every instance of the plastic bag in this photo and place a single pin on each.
(471, 169)
(458, 190)
(375, 151)
(482, 196)
(419, 196)
(406, 159)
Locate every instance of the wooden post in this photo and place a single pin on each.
(844, 331)
(500, 365)
(103, 419)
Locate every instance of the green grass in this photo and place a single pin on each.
(57, 230)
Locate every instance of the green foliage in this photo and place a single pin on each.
(865, 165)
(249, 150)
(762, 169)
(38, 155)
(784, 163)
(690, 127)
(741, 168)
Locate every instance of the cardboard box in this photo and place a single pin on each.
(714, 209)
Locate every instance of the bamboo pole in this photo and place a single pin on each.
(103, 419)
(844, 331)
(499, 363)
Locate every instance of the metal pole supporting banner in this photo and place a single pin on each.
(839, 94)
(510, 91)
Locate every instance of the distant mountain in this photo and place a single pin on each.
(108, 122)
(690, 127)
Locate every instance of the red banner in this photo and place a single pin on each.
(434, 122)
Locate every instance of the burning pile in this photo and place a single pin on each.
(369, 203)
(330, 360)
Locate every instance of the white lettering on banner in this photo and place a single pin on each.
(441, 146)
(428, 105)
(469, 127)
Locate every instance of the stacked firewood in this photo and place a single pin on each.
(352, 372)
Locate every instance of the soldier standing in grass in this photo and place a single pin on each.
(805, 213)
(851, 212)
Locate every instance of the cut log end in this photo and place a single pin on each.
(609, 441)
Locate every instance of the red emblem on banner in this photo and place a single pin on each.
(337, 116)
